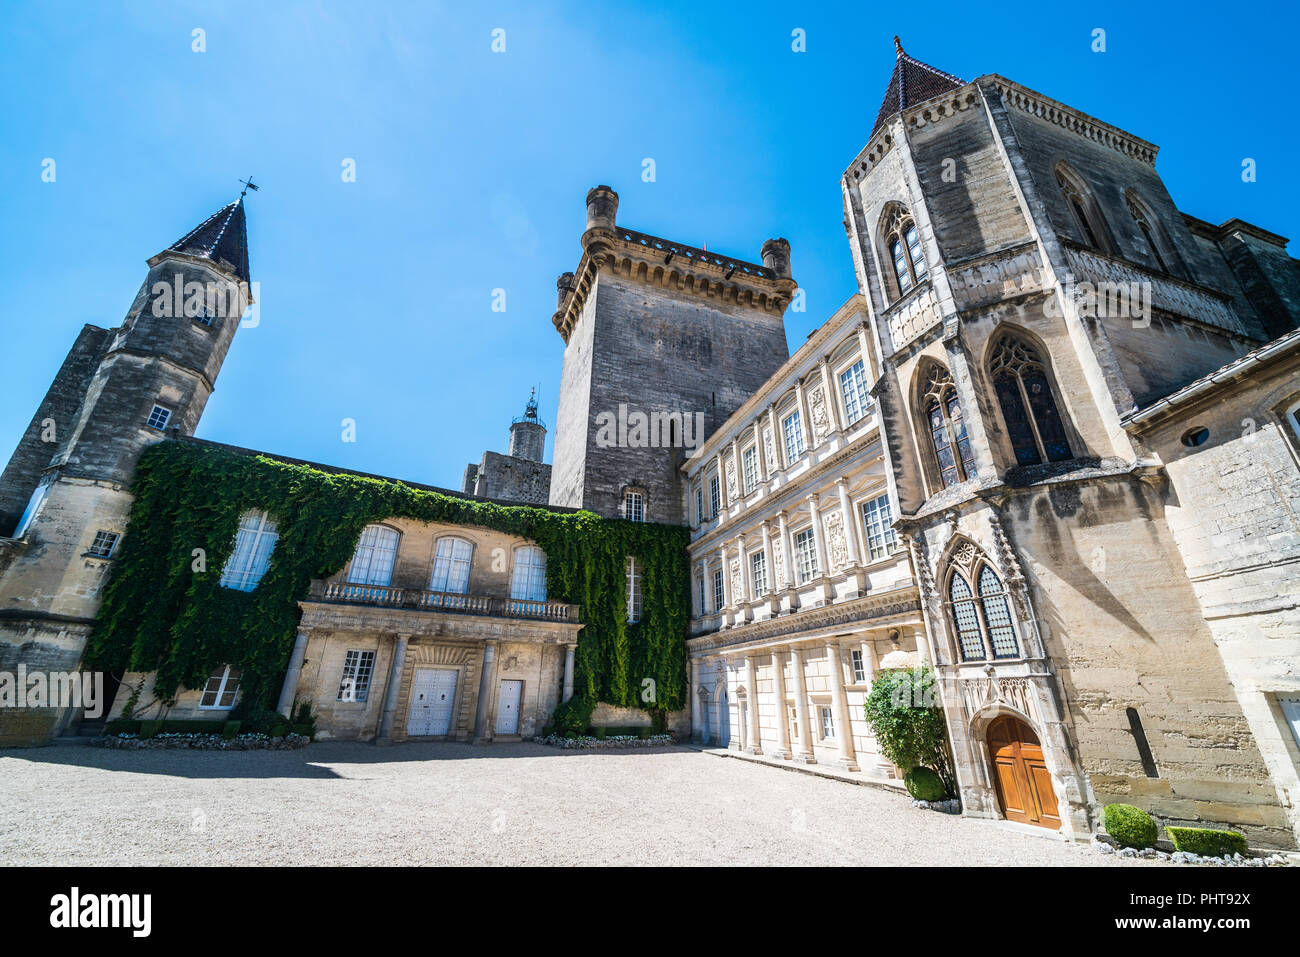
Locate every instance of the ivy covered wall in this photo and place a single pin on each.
(164, 610)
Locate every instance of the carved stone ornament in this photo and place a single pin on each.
(820, 415)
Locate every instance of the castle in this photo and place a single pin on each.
(1051, 448)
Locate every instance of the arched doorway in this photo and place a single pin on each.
(1023, 782)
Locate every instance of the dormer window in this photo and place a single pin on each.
(903, 243)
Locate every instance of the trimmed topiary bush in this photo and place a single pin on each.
(924, 785)
(573, 716)
(1130, 826)
(1206, 841)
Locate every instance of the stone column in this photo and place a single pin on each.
(819, 537)
(290, 686)
(777, 447)
(483, 712)
(787, 547)
(742, 595)
(723, 504)
(804, 750)
(735, 464)
(840, 701)
(568, 672)
(767, 558)
(394, 686)
(782, 727)
(922, 649)
(856, 553)
(727, 597)
(754, 744)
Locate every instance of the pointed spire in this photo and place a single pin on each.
(912, 82)
(221, 238)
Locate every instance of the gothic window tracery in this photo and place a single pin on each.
(948, 439)
(1028, 407)
(902, 241)
(981, 615)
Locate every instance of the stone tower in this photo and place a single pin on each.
(64, 496)
(528, 433)
(662, 343)
(1031, 285)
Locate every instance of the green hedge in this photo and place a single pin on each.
(1130, 826)
(165, 611)
(924, 785)
(903, 711)
(1207, 842)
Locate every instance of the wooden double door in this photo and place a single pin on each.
(1020, 773)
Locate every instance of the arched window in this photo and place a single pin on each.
(982, 621)
(1028, 408)
(947, 430)
(372, 564)
(529, 580)
(903, 242)
(1162, 250)
(633, 590)
(451, 562)
(254, 543)
(1083, 208)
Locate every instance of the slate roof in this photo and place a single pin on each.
(912, 82)
(222, 237)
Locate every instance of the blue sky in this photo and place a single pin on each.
(472, 167)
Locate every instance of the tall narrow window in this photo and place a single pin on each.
(354, 683)
(633, 590)
(1162, 249)
(451, 563)
(997, 616)
(965, 618)
(878, 522)
(715, 496)
(699, 505)
(254, 543)
(853, 387)
(749, 466)
(529, 580)
(900, 236)
(793, 429)
(758, 573)
(805, 549)
(1028, 408)
(948, 438)
(372, 563)
(859, 667)
(1083, 208)
(634, 506)
(719, 595)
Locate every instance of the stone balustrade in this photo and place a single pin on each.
(423, 600)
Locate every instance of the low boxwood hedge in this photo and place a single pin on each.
(1130, 826)
(1207, 842)
(163, 726)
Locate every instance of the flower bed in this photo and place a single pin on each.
(611, 741)
(203, 742)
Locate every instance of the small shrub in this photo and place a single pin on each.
(904, 712)
(924, 785)
(304, 717)
(1206, 841)
(573, 717)
(230, 729)
(306, 730)
(1130, 826)
(659, 721)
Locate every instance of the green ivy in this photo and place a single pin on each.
(162, 613)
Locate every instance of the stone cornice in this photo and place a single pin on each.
(659, 262)
(449, 626)
(1044, 107)
(877, 608)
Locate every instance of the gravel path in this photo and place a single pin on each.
(346, 803)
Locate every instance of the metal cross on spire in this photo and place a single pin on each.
(248, 184)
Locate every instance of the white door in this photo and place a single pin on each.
(433, 696)
(508, 707)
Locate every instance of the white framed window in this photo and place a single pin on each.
(254, 543)
(529, 579)
(828, 722)
(704, 598)
(358, 666)
(451, 561)
(793, 430)
(719, 595)
(758, 572)
(633, 590)
(33, 508)
(699, 505)
(853, 386)
(205, 316)
(634, 506)
(103, 545)
(159, 418)
(372, 563)
(805, 549)
(859, 669)
(877, 519)
(715, 494)
(749, 464)
(220, 691)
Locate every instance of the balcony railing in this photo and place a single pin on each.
(347, 593)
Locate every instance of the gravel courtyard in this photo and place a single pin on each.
(345, 803)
